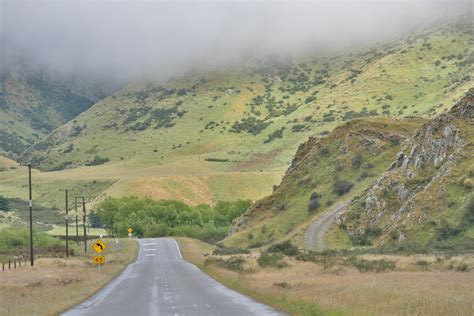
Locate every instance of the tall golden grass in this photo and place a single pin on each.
(311, 288)
(53, 285)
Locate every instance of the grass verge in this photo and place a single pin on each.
(53, 285)
(361, 285)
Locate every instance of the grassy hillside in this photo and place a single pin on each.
(407, 180)
(210, 136)
(325, 172)
(33, 102)
(426, 196)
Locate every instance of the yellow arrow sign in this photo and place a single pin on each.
(99, 246)
(98, 259)
(130, 230)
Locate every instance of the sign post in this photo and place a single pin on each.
(99, 246)
(130, 231)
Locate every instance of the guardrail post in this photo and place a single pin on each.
(9, 264)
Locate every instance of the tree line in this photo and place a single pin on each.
(150, 218)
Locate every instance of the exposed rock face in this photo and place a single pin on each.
(418, 172)
(319, 161)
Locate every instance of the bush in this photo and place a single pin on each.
(4, 205)
(276, 134)
(282, 285)
(356, 161)
(285, 247)
(271, 260)
(234, 263)
(229, 251)
(342, 187)
(97, 161)
(367, 265)
(14, 240)
(313, 205)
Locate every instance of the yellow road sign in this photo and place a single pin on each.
(99, 246)
(98, 259)
(130, 230)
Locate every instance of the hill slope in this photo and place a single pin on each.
(33, 102)
(231, 134)
(426, 194)
(255, 116)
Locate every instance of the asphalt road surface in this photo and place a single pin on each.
(160, 282)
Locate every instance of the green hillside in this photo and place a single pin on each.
(34, 102)
(225, 135)
(394, 181)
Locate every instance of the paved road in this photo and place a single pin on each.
(160, 282)
(314, 235)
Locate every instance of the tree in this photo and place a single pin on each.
(4, 205)
(94, 220)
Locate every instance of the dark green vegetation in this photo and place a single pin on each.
(150, 218)
(43, 217)
(33, 103)
(4, 204)
(16, 241)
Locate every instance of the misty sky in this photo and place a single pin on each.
(129, 39)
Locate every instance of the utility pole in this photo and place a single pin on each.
(84, 222)
(31, 215)
(67, 226)
(77, 224)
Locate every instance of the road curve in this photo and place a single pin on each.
(314, 235)
(160, 282)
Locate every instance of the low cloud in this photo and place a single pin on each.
(123, 41)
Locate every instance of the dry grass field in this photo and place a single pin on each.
(53, 285)
(419, 285)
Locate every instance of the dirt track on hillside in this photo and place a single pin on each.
(314, 235)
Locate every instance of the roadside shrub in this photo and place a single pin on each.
(14, 240)
(285, 247)
(234, 263)
(229, 251)
(274, 260)
(342, 187)
(363, 265)
(282, 285)
(463, 267)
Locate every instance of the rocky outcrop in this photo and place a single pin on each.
(417, 172)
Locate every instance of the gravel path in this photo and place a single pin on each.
(314, 236)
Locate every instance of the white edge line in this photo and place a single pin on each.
(177, 247)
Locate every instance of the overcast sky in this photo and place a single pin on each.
(129, 39)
